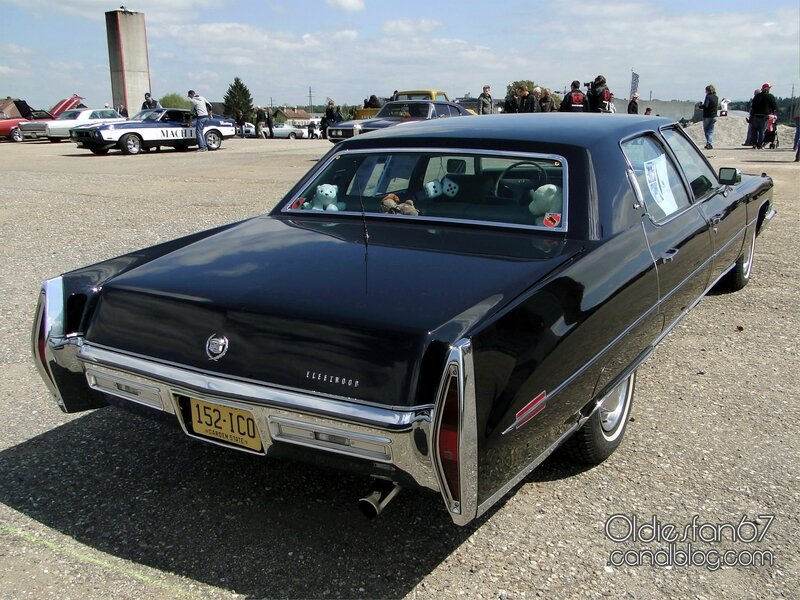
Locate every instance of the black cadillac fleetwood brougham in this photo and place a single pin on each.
(439, 305)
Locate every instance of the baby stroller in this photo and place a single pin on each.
(771, 133)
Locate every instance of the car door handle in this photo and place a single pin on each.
(668, 256)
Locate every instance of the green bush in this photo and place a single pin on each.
(174, 100)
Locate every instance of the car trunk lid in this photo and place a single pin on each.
(306, 304)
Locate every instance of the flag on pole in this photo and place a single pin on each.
(634, 82)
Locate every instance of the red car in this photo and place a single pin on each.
(9, 126)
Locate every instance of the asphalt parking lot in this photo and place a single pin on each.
(107, 505)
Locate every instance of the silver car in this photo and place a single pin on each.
(287, 130)
(58, 129)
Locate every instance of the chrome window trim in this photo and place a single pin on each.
(287, 211)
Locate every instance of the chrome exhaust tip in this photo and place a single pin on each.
(380, 494)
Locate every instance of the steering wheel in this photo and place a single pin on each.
(503, 175)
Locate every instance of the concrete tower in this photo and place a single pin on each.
(127, 57)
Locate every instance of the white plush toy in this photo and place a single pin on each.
(547, 204)
(325, 198)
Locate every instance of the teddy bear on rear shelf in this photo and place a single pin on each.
(391, 204)
(325, 198)
(547, 202)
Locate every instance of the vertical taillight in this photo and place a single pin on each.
(454, 439)
(448, 434)
(48, 322)
(41, 340)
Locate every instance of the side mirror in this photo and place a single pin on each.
(729, 175)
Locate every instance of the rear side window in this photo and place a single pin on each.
(657, 178)
(700, 176)
(445, 110)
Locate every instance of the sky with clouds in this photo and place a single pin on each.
(350, 49)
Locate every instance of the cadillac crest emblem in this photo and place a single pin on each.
(216, 347)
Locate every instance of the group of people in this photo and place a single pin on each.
(333, 114)
(537, 100)
(264, 123)
(761, 107)
(597, 98)
(149, 102)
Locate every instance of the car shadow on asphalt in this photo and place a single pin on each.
(140, 490)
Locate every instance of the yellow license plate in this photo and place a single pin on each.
(225, 423)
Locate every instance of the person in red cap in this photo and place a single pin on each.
(764, 105)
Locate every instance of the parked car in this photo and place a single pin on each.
(58, 129)
(10, 125)
(429, 94)
(439, 305)
(152, 128)
(394, 113)
(313, 130)
(287, 130)
(249, 129)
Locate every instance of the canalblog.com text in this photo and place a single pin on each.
(711, 545)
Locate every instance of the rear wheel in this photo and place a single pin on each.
(603, 432)
(213, 140)
(130, 143)
(292, 136)
(16, 135)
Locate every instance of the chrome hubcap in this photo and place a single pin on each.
(613, 407)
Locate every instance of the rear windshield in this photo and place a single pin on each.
(69, 115)
(516, 190)
(406, 110)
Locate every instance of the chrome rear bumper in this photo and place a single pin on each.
(376, 434)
